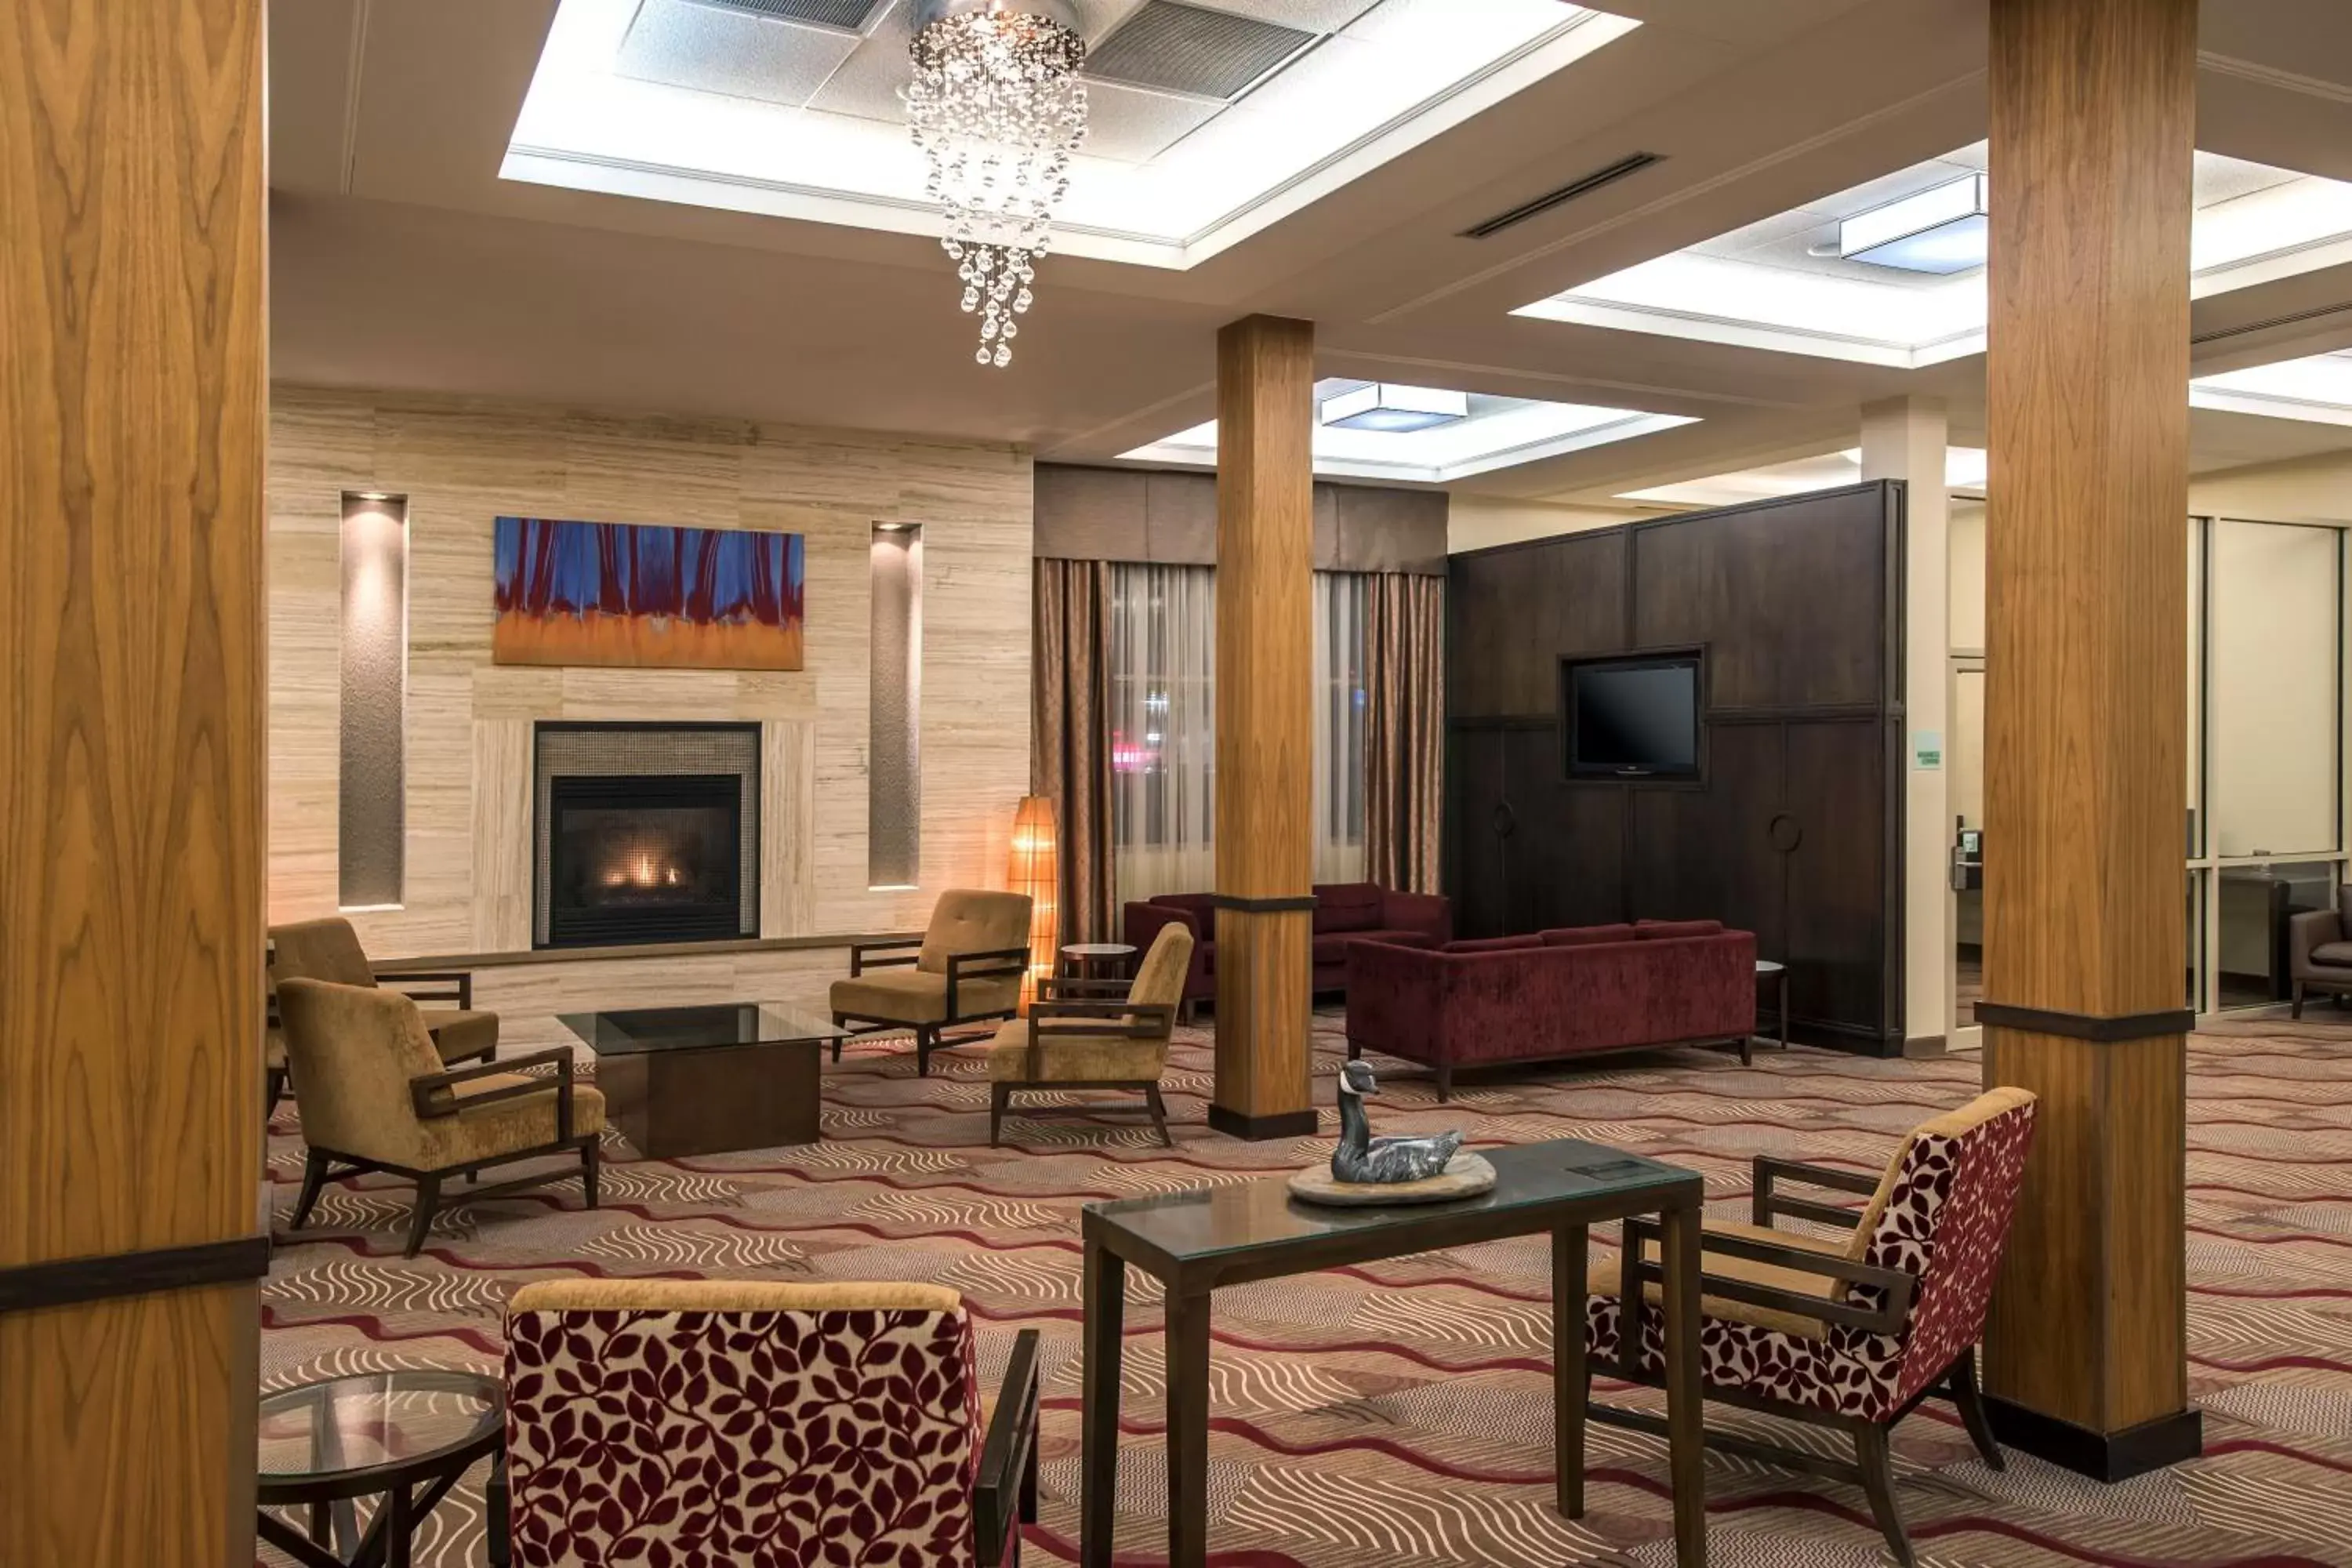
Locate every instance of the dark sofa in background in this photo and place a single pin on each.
(1345, 914)
(1577, 992)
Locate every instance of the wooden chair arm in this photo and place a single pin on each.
(995, 963)
(1058, 986)
(462, 979)
(1888, 1317)
(1096, 1020)
(1768, 1201)
(1006, 1490)
(859, 964)
(431, 1093)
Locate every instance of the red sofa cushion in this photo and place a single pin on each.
(1666, 930)
(1203, 905)
(1586, 936)
(1493, 944)
(1347, 907)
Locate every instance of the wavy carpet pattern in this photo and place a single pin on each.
(1400, 1414)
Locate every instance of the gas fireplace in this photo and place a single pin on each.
(646, 833)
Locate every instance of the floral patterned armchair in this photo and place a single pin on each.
(669, 1423)
(1853, 1334)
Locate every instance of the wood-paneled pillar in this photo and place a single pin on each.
(2093, 110)
(1265, 751)
(132, 387)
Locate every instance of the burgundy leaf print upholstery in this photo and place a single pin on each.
(1945, 1218)
(828, 1439)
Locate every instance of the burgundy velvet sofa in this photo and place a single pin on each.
(1345, 914)
(1580, 992)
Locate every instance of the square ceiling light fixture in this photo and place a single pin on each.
(1944, 229)
(1381, 406)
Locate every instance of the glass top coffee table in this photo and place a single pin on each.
(388, 1434)
(709, 1080)
(1195, 1242)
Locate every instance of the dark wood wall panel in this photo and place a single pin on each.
(1511, 614)
(1170, 517)
(1793, 615)
(132, 309)
(1795, 606)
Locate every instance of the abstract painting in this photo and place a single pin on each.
(621, 594)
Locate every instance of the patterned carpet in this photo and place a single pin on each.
(1401, 1414)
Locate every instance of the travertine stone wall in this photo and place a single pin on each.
(463, 462)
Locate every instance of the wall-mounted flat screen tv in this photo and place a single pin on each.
(1632, 718)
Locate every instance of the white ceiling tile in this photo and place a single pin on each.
(1308, 16)
(870, 82)
(1129, 125)
(680, 43)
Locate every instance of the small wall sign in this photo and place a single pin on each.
(1926, 750)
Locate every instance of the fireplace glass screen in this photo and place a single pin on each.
(644, 858)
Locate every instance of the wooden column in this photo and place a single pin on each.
(131, 388)
(1266, 750)
(2093, 107)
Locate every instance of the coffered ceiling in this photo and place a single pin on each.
(412, 250)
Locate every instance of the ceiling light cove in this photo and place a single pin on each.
(2317, 388)
(1489, 433)
(1206, 119)
(1891, 272)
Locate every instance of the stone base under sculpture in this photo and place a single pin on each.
(1464, 1176)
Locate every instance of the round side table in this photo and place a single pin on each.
(406, 1436)
(1775, 976)
(1097, 959)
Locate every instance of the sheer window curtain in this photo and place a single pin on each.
(1342, 602)
(1163, 729)
(1163, 735)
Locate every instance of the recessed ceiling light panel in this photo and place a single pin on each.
(1942, 229)
(1395, 409)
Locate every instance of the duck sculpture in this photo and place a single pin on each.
(1364, 1159)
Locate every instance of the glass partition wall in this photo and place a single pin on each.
(2265, 836)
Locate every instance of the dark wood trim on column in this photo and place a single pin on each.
(70, 1281)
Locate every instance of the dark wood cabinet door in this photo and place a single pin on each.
(1839, 921)
(1709, 852)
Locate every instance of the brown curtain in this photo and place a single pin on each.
(1404, 731)
(1070, 734)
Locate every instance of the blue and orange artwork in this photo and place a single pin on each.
(622, 594)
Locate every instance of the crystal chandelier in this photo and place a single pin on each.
(997, 109)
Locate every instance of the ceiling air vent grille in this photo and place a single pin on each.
(850, 15)
(1194, 50)
(1567, 193)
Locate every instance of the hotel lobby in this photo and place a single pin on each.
(1280, 784)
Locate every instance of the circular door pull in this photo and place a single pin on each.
(1786, 833)
(1506, 821)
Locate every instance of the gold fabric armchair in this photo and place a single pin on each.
(1096, 1034)
(375, 1096)
(965, 968)
(329, 950)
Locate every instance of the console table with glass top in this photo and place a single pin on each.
(1195, 1242)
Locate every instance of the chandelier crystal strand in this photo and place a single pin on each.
(997, 110)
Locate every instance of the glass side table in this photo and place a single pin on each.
(1775, 976)
(405, 1437)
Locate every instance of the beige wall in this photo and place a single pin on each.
(1475, 521)
(462, 463)
(2307, 490)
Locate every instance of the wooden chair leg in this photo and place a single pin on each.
(1972, 1410)
(926, 1039)
(273, 1089)
(1000, 1095)
(2298, 1001)
(1159, 1113)
(314, 1178)
(1445, 1084)
(591, 1164)
(428, 1198)
(1878, 1483)
(1748, 1050)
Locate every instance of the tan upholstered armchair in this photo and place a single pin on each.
(1096, 1034)
(329, 950)
(804, 1423)
(1847, 1334)
(375, 1096)
(965, 968)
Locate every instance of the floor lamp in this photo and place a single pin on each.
(1036, 870)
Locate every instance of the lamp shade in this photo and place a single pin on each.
(1036, 868)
